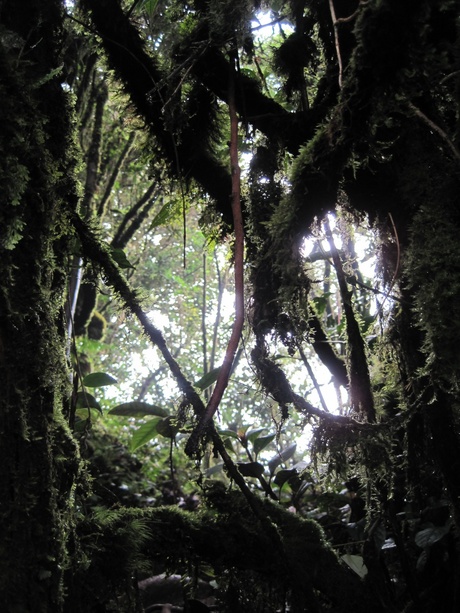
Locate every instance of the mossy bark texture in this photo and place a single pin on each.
(38, 458)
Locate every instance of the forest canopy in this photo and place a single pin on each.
(229, 305)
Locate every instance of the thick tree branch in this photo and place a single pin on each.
(94, 151)
(215, 537)
(147, 87)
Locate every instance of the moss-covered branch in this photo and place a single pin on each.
(188, 154)
(224, 536)
(98, 253)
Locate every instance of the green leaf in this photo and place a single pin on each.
(138, 409)
(83, 414)
(229, 433)
(150, 6)
(252, 435)
(81, 424)
(356, 563)
(167, 427)
(320, 304)
(98, 379)
(262, 442)
(228, 445)
(167, 213)
(208, 379)
(281, 457)
(120, 258)
(251, 469)
(300, 466)
(144, 433)
(284, 475)
(429, 536)
(87, 401)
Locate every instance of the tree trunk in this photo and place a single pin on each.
(38, 457)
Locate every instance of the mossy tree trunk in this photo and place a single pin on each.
(38, 457)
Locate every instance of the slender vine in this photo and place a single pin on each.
(361, 396)
(226, 367)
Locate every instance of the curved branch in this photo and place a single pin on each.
(276, 384)
(433, 126)
(134, 217)
(224, 374)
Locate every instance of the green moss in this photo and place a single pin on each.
(224, 535)
(434, 271)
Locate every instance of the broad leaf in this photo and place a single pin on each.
(282, 457)
(120, 258)
(167, 427)
(150, 6)
(300, 466)
(431, 535)
(144, 433)
(251, 469)
(356, 563)
(138, 409)
(208, 379)
(228, 445)
(212, 470)
(252, 435)
(168, 211)
(87, 401)
(284, 475)
(229, 433)
(98, 379)
(88, 413)
(262, 442)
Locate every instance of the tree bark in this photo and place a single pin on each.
(38, 457)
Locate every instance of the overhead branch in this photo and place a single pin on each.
(94, 151)
(290, 129)
(433, 126)
(276, 384)
(312, 376)
(135, 216)
(146, 84)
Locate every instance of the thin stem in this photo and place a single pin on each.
(204, 339)
(311, 374)
(221, 283)
(224, 374)
(435, 128)
(336, 41)
(361, 396)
